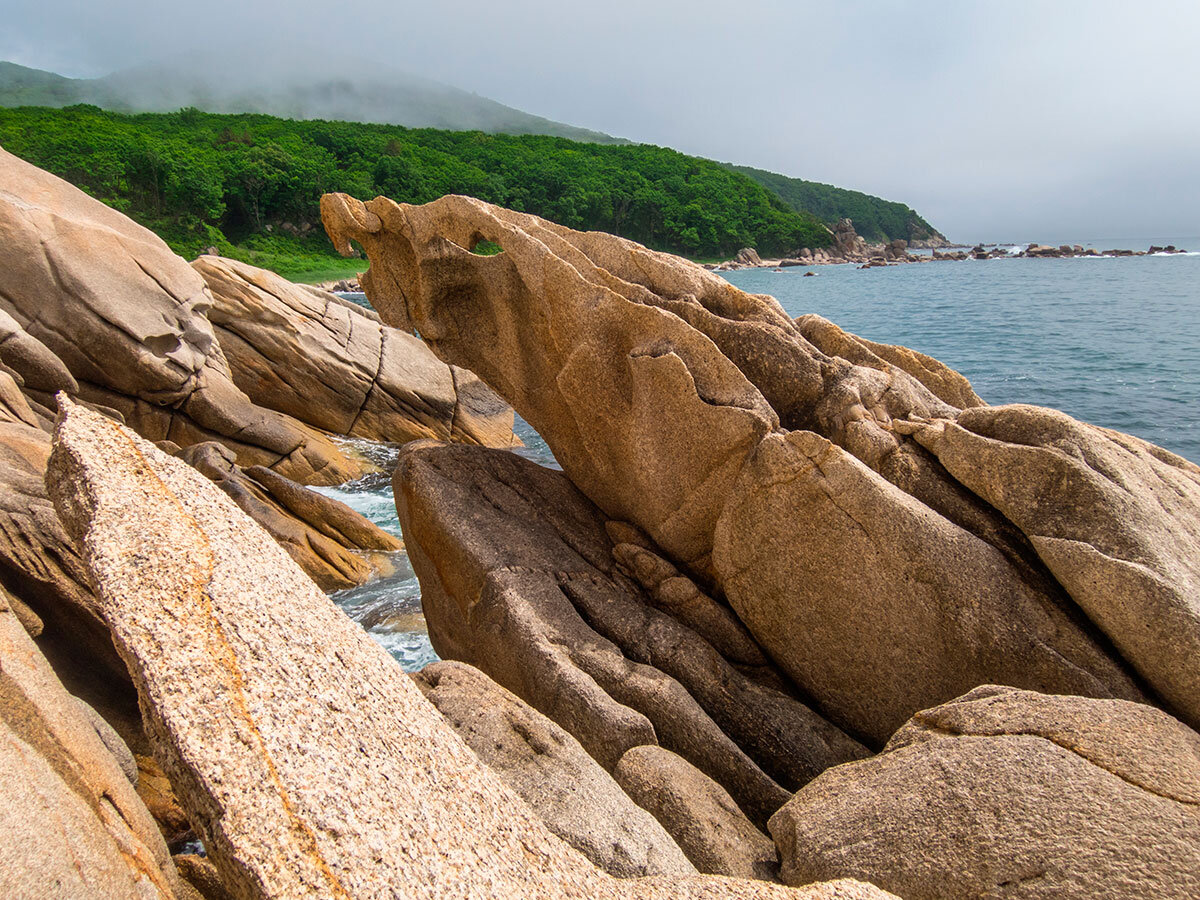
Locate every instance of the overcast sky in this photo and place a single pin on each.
(997, 121)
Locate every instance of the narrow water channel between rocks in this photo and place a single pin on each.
(389, 607)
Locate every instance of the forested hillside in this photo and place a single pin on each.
(874, 219)
(248, 183)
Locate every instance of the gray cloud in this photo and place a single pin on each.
(1005, 120)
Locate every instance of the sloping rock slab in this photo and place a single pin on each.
(698, 813)
(1008, 793)
(309, 761)
(1116, 519)
(518, 578)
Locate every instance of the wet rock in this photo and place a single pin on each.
(308, 760)
(106, 311)
(698, 813)
(331, 364)
(568, 789)
(1010, 793)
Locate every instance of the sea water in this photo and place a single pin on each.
(1112, 341)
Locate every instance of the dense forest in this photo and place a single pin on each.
(874, 219)
(249, 184)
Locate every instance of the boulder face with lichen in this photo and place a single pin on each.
(835, 493)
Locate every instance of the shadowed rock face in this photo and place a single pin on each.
(331, 364)
(95, 305)
(70, 824)
(789, 467)
(310, 763)
(1010, 793)
(518, 579)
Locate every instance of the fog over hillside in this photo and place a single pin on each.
(283, 86)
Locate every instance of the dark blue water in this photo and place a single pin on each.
(1115, 342)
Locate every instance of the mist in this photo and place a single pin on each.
(1016, 121)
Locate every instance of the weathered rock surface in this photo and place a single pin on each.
(698, 813)
(331, 364)
(945, 383)
(1115, 519)
(325, 537)
(518, 579)
(783, 479)
(71, 824)
(98, 306)
(573, 795)
(1010, 793)
(40, 566)
(310, 762)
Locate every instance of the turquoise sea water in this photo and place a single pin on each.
(1115, 342)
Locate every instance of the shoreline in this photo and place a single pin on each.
(896, 253)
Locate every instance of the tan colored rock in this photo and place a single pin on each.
(698, 813)
(665, 393)
(605, 378)
(331, 364)
(97, 299)
(310, 762)
(1115, 519)
(820, 598)
(944, 382)
(70, 824)
(518, 579)
(1014, 794)
(40, 566)
(201, 874)
(325, 537)
(568, 789)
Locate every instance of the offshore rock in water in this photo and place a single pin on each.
(331, 364)
(309, 762)
(791, 479)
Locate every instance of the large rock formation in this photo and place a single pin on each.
(790, 480)
(309, 761)
(71, 824)
(518, 578)
(1014, 794)
(568, 789)
(331, 364)
(97, 306)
